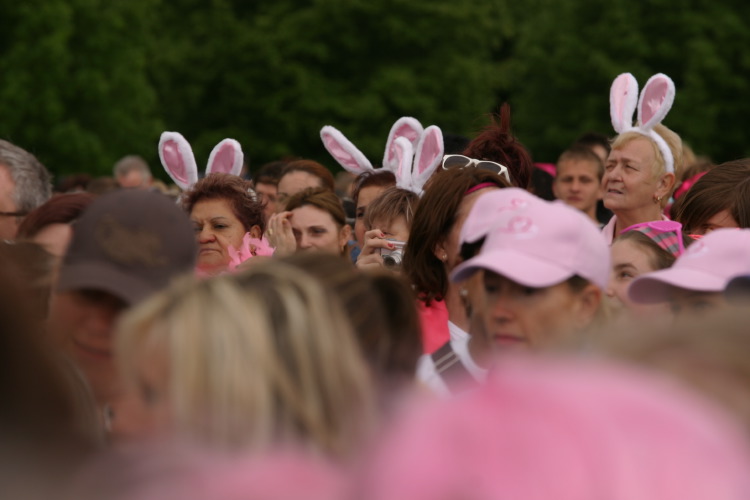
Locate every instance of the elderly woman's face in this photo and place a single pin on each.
(216, 228)
(629, 182)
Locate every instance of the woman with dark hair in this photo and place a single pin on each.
(721, 198)
(496, 143)
(299, 175)
(432, 249)
(314, 220)
(223, 208)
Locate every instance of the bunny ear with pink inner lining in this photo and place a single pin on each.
(655, 101)
(178, 160)
(429, 154)
(226, 157)
(403, 153)
(623, 99)
(344, 152)
(406, 127)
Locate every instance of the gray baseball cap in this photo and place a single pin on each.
(130, 243)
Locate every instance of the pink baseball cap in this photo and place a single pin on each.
(488, 208)
(706, 266)
(542, 244)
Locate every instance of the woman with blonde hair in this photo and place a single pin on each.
(640, 172)
(254, 360)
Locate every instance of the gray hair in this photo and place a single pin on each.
(33, 185)
(129, 163)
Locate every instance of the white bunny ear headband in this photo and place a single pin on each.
(412, 153)
(178, 160)
(655, 102)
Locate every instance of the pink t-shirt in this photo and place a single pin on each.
(434, 322)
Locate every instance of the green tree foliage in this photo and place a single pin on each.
(75, 89)
(273, 73)
(87, 81)
(568, 53)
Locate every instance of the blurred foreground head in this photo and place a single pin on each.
(546, 429)
(248, 361)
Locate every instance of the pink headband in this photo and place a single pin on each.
(480, 186)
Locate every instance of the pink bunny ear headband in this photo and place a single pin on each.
(655, 102)
(412, 153)
(178, 160)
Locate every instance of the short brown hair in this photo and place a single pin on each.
(321, 198)
(313, 168)
(380, 178)
(725, 187)
(581, 154)
(394, 202)
(235, 190)
(433, 220)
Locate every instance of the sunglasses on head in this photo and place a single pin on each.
(461, 161)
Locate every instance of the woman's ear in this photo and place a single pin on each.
(345, 235)
(440, 251)
(665, 185)
(589, 300)
(255, 232)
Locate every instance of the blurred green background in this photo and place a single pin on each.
(85, 82)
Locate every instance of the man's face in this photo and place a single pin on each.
(133, 179)
(8, 223)
(81, 324)
(577, 184)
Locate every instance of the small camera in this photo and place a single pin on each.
(392, 257)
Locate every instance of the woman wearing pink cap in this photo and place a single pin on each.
(639, 174)
(696, 281)
(545, 266)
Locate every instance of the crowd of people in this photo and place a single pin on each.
(456, 322)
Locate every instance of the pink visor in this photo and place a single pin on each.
(706, 266)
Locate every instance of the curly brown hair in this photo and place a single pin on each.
(237, 191)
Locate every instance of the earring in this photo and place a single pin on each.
(445, 257)
(657, 199)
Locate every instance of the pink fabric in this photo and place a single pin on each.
(480, 186)
(173, 160)
(707, 266)
(540, 245)
(623, 99)
(250, 247)
(489, 206)
(550, 168)
(665, 233)
(687, 184)
(343, 156)
(434, 322)
(608, 231)
(543, 429)
(224, 159)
